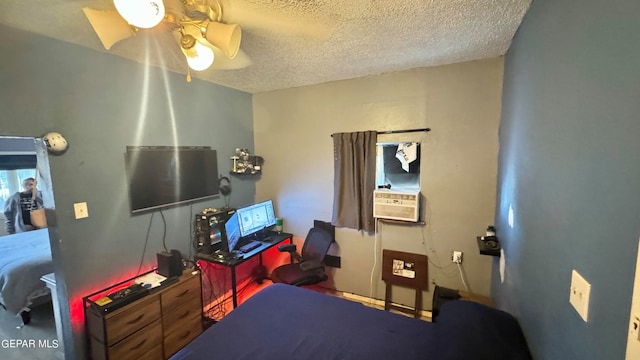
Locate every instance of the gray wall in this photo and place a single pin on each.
(570, 169)
(101, 104)
(460, 103)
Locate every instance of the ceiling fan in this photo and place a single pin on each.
(196, 25)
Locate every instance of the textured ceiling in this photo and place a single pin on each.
(287, 43)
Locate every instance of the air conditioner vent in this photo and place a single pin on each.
(396, 205)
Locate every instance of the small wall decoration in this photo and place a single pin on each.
(245, 163)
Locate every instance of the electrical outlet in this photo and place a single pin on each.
(456, 257)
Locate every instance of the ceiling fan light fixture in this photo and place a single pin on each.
(226, 37)
(109, 26)
(199, 56)
(141, 13)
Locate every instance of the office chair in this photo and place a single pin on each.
(308, 267)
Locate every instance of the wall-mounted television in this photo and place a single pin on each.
(163, 176)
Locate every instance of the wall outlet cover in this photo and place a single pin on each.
(579, 294)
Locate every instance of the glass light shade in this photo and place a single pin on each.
(199, 57)
(225, 37)
(141, 13)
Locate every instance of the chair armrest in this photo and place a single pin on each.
(287, 248)
(311, 264)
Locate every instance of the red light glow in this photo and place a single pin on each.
(76, 304)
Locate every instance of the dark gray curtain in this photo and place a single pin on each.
(354, 172)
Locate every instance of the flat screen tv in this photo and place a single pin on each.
(163, 176)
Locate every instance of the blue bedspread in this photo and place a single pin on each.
(24, 258)
(284, 322)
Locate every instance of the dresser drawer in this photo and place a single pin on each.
(180, 293)
(171, 321)
(153, 354)
(138, 344)
(131, 318)
(187, 331)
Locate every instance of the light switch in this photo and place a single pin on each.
(80, 210)
(579, 294)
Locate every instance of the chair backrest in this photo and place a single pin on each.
(316, 244)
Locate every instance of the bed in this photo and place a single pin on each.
(285, 322)
(24, 259)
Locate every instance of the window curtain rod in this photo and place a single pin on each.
(401, 131)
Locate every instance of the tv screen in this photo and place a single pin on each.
(256, 217)
(162, 176)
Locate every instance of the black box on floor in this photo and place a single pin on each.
(440, 296)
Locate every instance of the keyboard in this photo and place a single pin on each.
(249, 246)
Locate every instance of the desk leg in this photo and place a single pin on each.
(233, 287)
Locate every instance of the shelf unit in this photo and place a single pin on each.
(155, 326)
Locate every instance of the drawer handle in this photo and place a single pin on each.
(138, 346)
(185, 335)
(185, 314)
(183, 293)
(136, 319)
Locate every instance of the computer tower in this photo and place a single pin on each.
(209, 230)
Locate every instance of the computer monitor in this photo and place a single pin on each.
(232, 230)
(256, 217)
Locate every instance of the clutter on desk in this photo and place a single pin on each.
(150, 280)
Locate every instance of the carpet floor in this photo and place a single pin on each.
(36, 341)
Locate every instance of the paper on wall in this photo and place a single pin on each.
(407, 153)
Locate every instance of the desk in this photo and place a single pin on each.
(233, 263)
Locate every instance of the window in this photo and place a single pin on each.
(398, 165)
(11, 181)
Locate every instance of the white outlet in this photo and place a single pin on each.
(456, 257)
(579, 294)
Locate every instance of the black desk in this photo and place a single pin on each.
(234, 262)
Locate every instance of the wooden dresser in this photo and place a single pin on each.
(153, 327)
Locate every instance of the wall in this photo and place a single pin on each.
(569, 171)
(460, 103)
(101, 104)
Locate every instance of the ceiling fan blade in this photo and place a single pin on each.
(109, 26)
(282, 22)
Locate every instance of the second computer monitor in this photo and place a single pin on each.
(232, 231)
(256, 217)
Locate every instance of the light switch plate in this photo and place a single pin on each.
(80, 210)
(579, 294)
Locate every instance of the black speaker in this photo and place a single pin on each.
(170, 264)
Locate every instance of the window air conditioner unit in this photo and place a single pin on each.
(396, 205)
